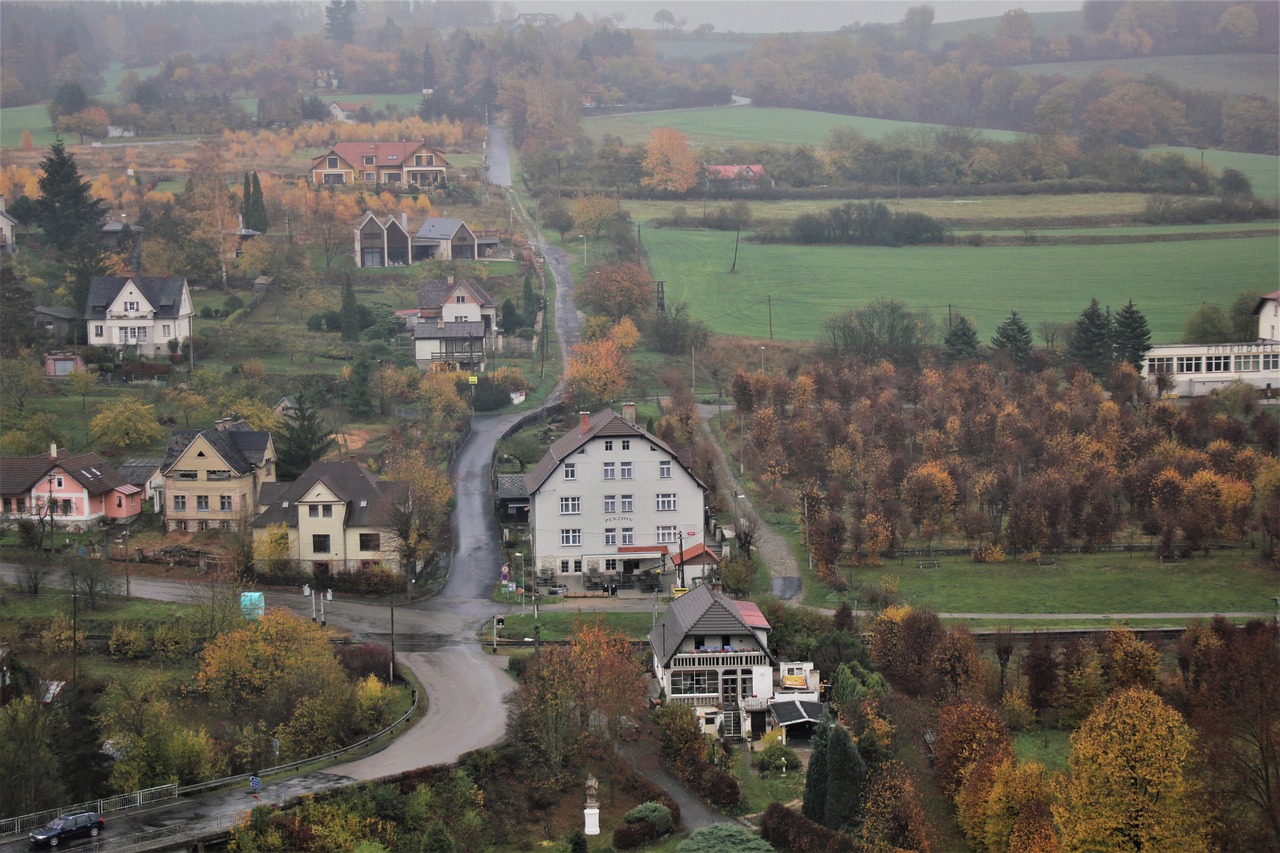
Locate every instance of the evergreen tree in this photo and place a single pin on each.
(66, 211)
(1013, 339)
(259, 207)
(510, 317)
(1133, 337)
(815, 780)
(846, 778)
(961, 342)
(1092, 341)
(358, 401)
(340, 21)
(246, 202)
(350, 310)
(304, 438)
(428, 68)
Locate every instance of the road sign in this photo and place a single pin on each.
(255, 783)
(473, 380)
(506, 573)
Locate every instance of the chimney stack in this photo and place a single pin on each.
(629, 413)
(584, 421)
(53, 450)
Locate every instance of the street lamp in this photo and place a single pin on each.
(584, 249)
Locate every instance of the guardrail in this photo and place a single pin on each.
(104, 806)
(138, 842)
(163, 793)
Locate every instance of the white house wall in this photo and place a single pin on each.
(590, 487)
(1197, 369)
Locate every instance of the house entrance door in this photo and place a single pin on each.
(728, 687)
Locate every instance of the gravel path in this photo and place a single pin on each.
(784, 570)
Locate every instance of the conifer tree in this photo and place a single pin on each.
(246, 202)
(815, 780)
(66, 211)
(1133, 337)
(846, 778)
(258, 207)
(1092, 341)
(1013, 339)
(304, 438)
(961, 342)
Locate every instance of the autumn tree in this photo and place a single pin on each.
(1130, 784)
(125, 423)
(669, 163)
(28, 742)
(893, 816)
(593, 213)
(1235, 707)
(608, 679)
(929, 494)
(617, 290)
(279, 669)
(81, 382)
(968, 730)
(138, 717)
(417, 517)
(596, 374)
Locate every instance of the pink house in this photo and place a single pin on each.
(79, 489)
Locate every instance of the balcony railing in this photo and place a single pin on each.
(699, 700)
(695, 660)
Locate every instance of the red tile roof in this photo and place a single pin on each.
(751, 614)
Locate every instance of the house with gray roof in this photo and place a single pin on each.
(711, 652)
(212, 477)
(138, 311)
(456, 324)
(335, 518)
(610, 503)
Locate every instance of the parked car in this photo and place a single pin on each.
(68, 826)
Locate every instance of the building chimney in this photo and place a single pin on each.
(629, 413)
(53, 450)
(404, 220)
(585, 421)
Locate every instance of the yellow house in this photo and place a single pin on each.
(212, 477)
(335, 516)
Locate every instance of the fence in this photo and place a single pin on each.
(163, 793)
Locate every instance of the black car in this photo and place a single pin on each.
(69, 825)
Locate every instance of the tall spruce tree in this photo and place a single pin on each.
(815, 780)
(258, 207)
(246, 202)
(846, 779)
(304, 438)
(961, 342)
(66, 211)
(340, 21)
(1092, 341)
(1013, 340)
(1132, 335)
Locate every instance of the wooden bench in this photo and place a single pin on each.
(1050, 560)
(928, 564)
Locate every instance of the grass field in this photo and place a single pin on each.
(1233, 73)
(1081, 583)
(1049, 747)
(730, 125)
(34, 118)
(1043, 283)
(1262, 170)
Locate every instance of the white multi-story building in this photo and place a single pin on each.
(1190, 370)
(138, 311)
(609, 497)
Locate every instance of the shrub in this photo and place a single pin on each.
(717, 787)
(655, 813)
(988, 553)
(232, 304)
(58, 636)
(789, 830)
(174, 641)
(361, 660)
(1016, 711)
(127, 641)
(206, 312)
(772, 758)
(630, 835)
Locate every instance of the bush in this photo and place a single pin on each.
(655, 813)
(789, 830)
(375, 580)
(206, 312)
(232, 304)
(361, 660)
(127, 641)
(630, 835)
(717, 787)
(772, 758)
(988, 553)
(174, 641)
(58, 636)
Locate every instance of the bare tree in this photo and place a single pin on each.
(33, 570)
(745, 529)
(217, 603)
(91, 578)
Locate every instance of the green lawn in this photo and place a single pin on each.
(15, 604)
(1049, 747)
(559, 620)
(1043, 283)
(34, 118)
(1233, 73)
(1080, 583)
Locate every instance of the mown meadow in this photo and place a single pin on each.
(1167, 281)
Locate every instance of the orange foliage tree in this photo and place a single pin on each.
(669, 163)
(596, 373)
(617, 290)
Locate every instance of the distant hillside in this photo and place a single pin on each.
(1233, 73)
(1049, 25)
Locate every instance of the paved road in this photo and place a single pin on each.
(499, 155)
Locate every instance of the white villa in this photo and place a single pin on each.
(1191, 370)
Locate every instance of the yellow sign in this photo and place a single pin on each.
(473, 380)
(677, 591)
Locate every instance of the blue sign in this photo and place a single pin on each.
(255, 783)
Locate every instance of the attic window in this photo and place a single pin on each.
(363, 502)
(200, 454)
(393, 157)
(284, 504)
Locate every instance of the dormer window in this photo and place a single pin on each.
(368, 161)
(333, 163)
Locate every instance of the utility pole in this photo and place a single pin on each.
(734, 268)
(771, 316)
